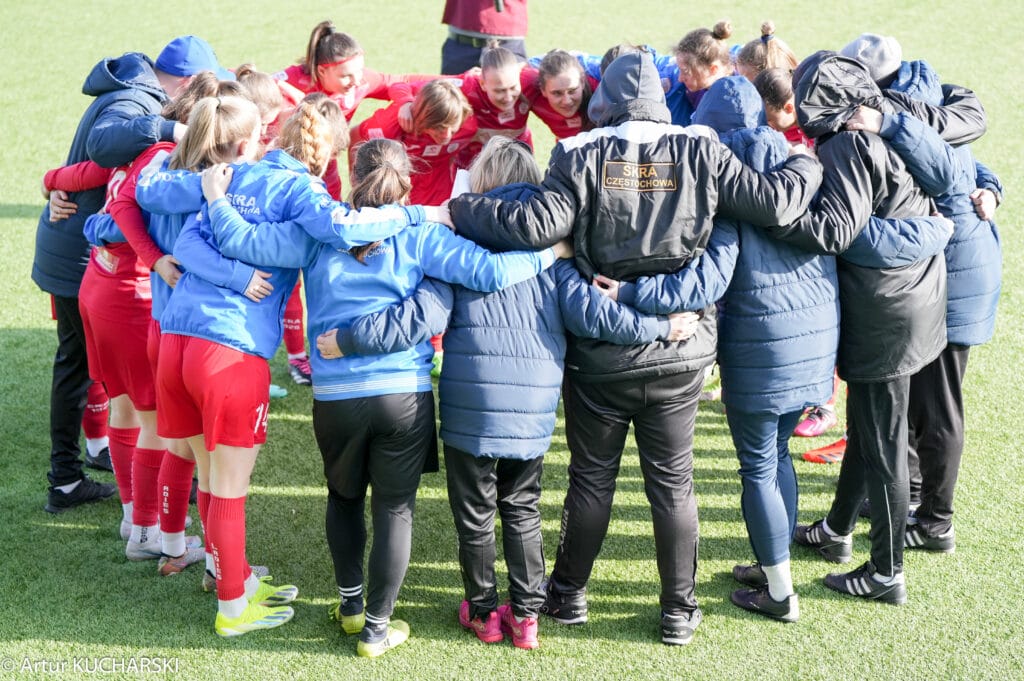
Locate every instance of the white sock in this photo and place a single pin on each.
(887, 579)
(297, 355)
(829, 531)
(96, 446)
(252, 582)
(144, 534)
(211, 567)
(173, 543)
(67, 488)
(233, 608)
(780, 580)
(126, 511)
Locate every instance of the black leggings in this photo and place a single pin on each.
(382, 442)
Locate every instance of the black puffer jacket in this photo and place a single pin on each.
(892, 320)
(639, 196)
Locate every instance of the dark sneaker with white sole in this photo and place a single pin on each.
(917, 538)
(678, 629)
(760, 601)
(751, 575)
(832, 548)
(564, 608)
(862, 584)
(86, 492)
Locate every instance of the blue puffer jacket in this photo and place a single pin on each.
(778, 325)
(503, 352)
(121, 123)
(973, 254)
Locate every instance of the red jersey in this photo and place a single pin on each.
(126, 212)
(433, 167)
(559, 125)
(375, 85)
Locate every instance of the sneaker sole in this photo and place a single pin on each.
(677, 640)
(581, 619)
(230, 632)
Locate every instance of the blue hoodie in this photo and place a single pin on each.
(121, 123)
(275, 190)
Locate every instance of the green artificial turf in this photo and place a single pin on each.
(71, 603)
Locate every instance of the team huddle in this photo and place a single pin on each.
(797, 221)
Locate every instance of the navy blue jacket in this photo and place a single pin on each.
(503, 352)
(121, 123)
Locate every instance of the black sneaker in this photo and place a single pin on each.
(564, 608)
(917, 538)
(301, 371)
(677, 630)
(100, 462)
(760, 601)
(87, 491)
(751, 575)
(833, 549)
(862, 584)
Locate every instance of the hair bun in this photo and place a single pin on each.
(768, 28)
(722, 30)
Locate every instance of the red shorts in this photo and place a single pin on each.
(210, 389)
(116, 350)
(153, 344)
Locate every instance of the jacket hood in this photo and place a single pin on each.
(918, 80)
(630, 89)
(132, 70)
(763, 149)
(828, 88)
(731, 103)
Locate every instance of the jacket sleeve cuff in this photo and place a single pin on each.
(414, 214)
(664, 327)
(627, 293)
(890, 126)
(345, 342)
(167, 131)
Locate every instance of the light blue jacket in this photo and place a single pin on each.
(275, 190)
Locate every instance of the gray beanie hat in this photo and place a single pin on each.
(880, 54)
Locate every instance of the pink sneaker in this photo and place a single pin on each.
(524, 633)
(489, 631)
(818, 421)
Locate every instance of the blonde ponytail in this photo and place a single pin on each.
(217, 125)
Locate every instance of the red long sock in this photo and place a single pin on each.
(225, 535)
(175, 483)
(122, 454)
(97, 409)
(145, 486)
(203, 504)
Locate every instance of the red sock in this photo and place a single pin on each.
(294, 336)
(97, 409)
(225, 535)
(203, 504)
(175, 483)
(122, 453)
(146, 487)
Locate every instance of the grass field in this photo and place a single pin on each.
(68, 597)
